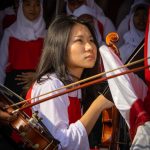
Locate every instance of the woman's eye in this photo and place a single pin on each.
(79, 40)
(91, 40)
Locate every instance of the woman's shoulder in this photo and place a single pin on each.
(50, 85)
(49, 81)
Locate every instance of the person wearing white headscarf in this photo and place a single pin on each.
(136, 33)
(102, 24)
(21, 45)
(90, 3)
(124, 25)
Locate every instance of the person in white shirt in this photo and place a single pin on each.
(135, 35)
(70, 53)
(21, 46)
(124, 25)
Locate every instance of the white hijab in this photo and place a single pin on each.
(25, 29)
(132, 39)
(91, 4)
(133, 36)
(137, 3)
(124, 25)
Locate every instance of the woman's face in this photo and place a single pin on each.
(31, 9)
(140, 19)
(81, 50)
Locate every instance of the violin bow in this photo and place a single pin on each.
(80, 81)
(112, 38)
(81, 86)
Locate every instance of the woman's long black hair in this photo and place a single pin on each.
(54, 56)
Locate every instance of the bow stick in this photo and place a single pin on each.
(81, 86)
(80, 81)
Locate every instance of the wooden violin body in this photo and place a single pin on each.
(110, 122)
(111, 39)
(110, 117)
(32, 134)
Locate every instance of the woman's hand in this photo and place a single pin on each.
(92, 114)
(103, 103)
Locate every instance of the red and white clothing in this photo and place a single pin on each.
(147, 61)
(129, 93)
(147, 50)
(61, 114)
(126, 25)
(22, 44)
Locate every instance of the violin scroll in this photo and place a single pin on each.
(111, 39)
(110, 117)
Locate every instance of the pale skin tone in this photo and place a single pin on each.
(31, 10)
(82, 54)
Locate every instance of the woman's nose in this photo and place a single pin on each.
(88, 46)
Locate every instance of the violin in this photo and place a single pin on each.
(111, 39)
(30, 129)
(110, 117)
(114, 131)
(110, 126)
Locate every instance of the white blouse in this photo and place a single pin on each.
(54, 114)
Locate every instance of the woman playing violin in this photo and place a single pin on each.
(70, 53)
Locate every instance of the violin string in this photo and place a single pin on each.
(137, 52)
(128, 61)
(82, 81)
(107, 88)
